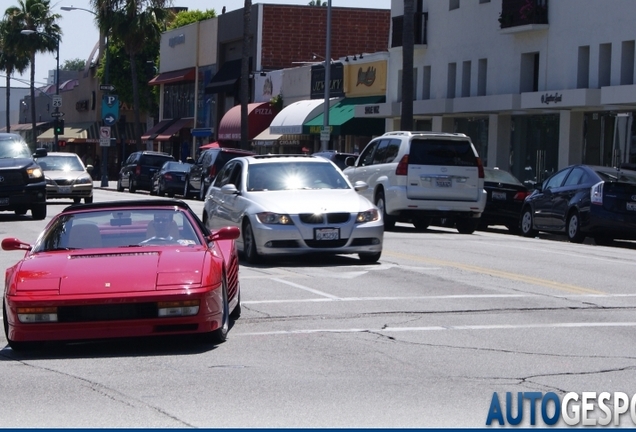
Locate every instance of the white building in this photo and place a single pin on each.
(537, 85)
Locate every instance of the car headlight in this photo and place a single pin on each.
(274, 218)
(34, 173)
(83, 180)
(368, 216)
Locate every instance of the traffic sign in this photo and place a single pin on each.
(104, 132)
(109, 120)
(57, 114)
(107, 87)
(57, 101)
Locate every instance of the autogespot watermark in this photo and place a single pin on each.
(575, 409)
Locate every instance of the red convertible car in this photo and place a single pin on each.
(122, 269)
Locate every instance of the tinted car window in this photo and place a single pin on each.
(556, 180)
(392, 151)
(500, 176)
(154, 160)
(441, 152)
(367, 155)
(11, 148)
(380, 152)
(576, 177)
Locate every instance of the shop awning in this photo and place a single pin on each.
(266, 138)
(210, 146)
(225, 79)
(20, 127)
(152, 133)
(343, 121)
(291, 119)
(259, 117)
(174, 129)
(174, 76)
(73, 132)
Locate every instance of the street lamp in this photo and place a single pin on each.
(56, 112)
(103, 39)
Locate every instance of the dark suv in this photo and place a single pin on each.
(137, 171)
(22, 183)
(336, 157)
(207, 165)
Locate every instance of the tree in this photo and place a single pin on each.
(134, 24)
(245, 72)
(34, 15)
(317, 3)
(73, 65)
(184, 18)
(11, 61)
(408, 43)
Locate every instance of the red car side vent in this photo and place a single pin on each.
(403, 167)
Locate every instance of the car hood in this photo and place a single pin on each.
(111, 271)
(311, 201)
(15, 162)
(66, 175)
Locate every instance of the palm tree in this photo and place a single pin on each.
(245, 73)
(34, 15)
(133, 23)
(11, 61)
(408, 43)
(317, 3)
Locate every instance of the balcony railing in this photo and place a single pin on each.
(515, 13)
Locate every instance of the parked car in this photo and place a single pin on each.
(66, 176)
(23, 187)
(108, 270)
(420, 176)
(505, 199)
(583, 201)
(336, 157)
(291, 205)
(206, 167)
(138, 169)
(170, 179)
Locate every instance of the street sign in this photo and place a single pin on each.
(57, 101)
(107, 87)
(109, 120)
(57, 114)
(325, 133)
(110, 109)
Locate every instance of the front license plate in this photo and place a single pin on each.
(443, 182)
(327, 233)
(64, 189)
(4, 201)
(498, 195)
(631, 206)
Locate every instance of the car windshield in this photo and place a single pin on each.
(60, 163)
(122, 228)
(276, 176)
(13, 148)
(176, 166)
(500, 176)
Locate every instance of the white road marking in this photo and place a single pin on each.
(302, 287)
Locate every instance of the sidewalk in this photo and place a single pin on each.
(112, 185)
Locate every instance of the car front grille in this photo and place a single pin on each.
(88, 313)
(12, 178)
(327, 218)
(324, 244)
(63, 182)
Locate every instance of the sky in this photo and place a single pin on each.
(80, 32)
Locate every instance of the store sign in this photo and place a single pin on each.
(176, 40)
(336, 80)
(551, 98)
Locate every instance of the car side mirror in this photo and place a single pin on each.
(350, 161)
(225, 233)
(360, 186)
(229, 189)
(11, 244)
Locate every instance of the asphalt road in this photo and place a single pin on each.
(421, 339)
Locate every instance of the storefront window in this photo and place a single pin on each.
(178, 100)
(534, 147)
(477, 130)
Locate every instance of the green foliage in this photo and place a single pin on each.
(184, 18)
(11, 60)
(317, 3)
(73, 65)
(277, 102)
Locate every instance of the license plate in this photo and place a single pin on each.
(631, 206)
(327, 233)
(64, 189)
(443, 182)
(498, 195)
(4, 201)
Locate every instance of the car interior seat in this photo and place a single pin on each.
(85, 236)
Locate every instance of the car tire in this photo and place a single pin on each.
(249, 244)
(370, 258)
(202, 193)
(21, 211)
(220, 335)
(38, 212)
(186, 189)
(88, 200)
(120, 188)
(15, 346)
(421, 224)
(466, 226)
(513, 228)
(77, 200)
(380, 202)
(573, 227)
(170, 194)
(132, 188)
(236, 313)
(526, 223)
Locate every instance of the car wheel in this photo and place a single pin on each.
(380, 202)
(574, 228)
(21, 211)
(131, 187)
(170, 194)
(120, 188)
(88, 200)
(370, 257)
(421, 224)
(186, 189)
(77, 200)
(220, 335)
(526, 223)
(201, 193)
(466, 226)
(513, 228)
(38, 212)
(249, 244)
(236, 313)
(15, 346)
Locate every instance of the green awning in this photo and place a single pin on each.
(343, 121)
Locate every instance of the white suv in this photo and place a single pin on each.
(422, 177)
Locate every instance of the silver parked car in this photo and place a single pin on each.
(66, 176)
(293, 204)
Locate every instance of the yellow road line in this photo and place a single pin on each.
(502, 274)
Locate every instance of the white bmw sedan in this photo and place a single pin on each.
(293, 204)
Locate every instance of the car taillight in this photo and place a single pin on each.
(138, 170)
(212, 171)
(168, 176)
(480, 167)
(596, 193)
(403, 167)
(521, 196)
